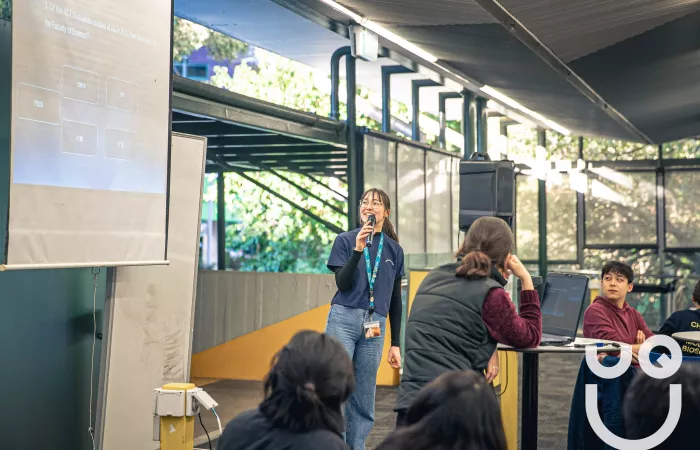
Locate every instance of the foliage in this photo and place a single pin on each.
(189, 37)
(6, 9)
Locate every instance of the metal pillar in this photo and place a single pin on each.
(481, 126)
(442, 108)
(221, 220)
(580, 215)
(469, 123)
(667, 306)
(335, 79)
(416, 85)
(542, 213)
(387, 72)
(354, 168)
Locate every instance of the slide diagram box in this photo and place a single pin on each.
(38, 104)
(119, 144)
(80, 85)
(122, 95)
(78, 138)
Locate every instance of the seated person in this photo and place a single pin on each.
(458, 410)
(310, 379)
(646, 407)
(686, 320)
(610, 317)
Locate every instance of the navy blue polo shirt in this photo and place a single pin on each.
(390, 268)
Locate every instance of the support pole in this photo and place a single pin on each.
(335, 80)
(542, 213)
(469, 123)
(354, 175)
(416, 85)
(481, 126)
(221, 220)
(387, 72)
(580, 214)
(442, 108)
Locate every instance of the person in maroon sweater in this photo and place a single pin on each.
(610, 317)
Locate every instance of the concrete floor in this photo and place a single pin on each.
(557, 380)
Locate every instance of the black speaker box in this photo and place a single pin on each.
(486, 189)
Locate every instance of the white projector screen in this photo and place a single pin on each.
(90, 133)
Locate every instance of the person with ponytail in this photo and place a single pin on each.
(368, 279)
(461, 311)
(310, 379)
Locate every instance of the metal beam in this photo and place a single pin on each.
(542, 214)
(416, 85)
(469, 123)
(221, 220)
(580, 216)
(330, 226)
(335, 79)
(354, 166)
(442, 110)
(259, 140)
(387, 72)
(481, 126)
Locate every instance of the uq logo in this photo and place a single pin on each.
(666, 368)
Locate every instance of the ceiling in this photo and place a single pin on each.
(624, 69)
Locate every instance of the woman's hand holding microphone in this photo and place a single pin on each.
(361, 240)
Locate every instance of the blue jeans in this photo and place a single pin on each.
(346, 325)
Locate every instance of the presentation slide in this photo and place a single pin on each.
(90, 131)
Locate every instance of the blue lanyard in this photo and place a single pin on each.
(372, 274)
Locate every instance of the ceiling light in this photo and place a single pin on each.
(513, 104)
(383, 32)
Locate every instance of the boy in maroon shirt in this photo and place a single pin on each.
(610, 317)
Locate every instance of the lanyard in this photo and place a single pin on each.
(372, 274)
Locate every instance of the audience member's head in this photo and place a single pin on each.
(616, 280)
(457, 411)
(647, 406)
(488, 243)
(696, 295)
(311, 377)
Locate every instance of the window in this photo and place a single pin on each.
(560, 147)
(411, 185)
(199, 72)
(561, 220)
(620, 208)
(614, 150)
(682, 219)
(526, 222)
(684, 149)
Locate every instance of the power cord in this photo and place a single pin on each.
(503, 391)
(219, 422)
(95, 275)
(205, 430)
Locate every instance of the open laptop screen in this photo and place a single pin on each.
(561, 304)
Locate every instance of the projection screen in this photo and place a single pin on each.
(90, 134)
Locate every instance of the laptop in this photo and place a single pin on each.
(562, 304)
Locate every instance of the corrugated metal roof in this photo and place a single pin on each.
(573, 29)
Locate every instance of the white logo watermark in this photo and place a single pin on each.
(666, 367)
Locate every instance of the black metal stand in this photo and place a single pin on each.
(531, 373)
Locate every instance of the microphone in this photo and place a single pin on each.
(373, 220)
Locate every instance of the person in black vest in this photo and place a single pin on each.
(439, 418)
(461, 312)
(686, 320)
(310, 379)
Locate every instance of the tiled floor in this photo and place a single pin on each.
(557, 379)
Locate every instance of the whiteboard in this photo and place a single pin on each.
(149, 316)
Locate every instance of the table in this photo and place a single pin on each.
(531, 377)
(692, 336)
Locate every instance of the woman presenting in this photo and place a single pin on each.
(461, 312)
(369, 290)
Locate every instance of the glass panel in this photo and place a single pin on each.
(526, 234)
(380, 168)
(614, 150)
(439, 203)
(684, 149)
(643, 262)
(682, 218)
(456, 236)
(649, 306)
(561, 220)
(6, 10)
(521, 143)
(411, 188)
(686, 267)
(620, 207)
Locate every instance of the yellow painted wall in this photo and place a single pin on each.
(248, 357)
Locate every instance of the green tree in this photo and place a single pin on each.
(6, 9)
(189, 37)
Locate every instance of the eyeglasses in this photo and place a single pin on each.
(375, 204)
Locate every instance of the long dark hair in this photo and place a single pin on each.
(310, 379)
(457, 411)
(387, 226)
(489, 241)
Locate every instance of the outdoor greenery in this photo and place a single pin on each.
(189, 37)
(6, 9)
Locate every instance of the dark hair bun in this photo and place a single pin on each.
(476, 264)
